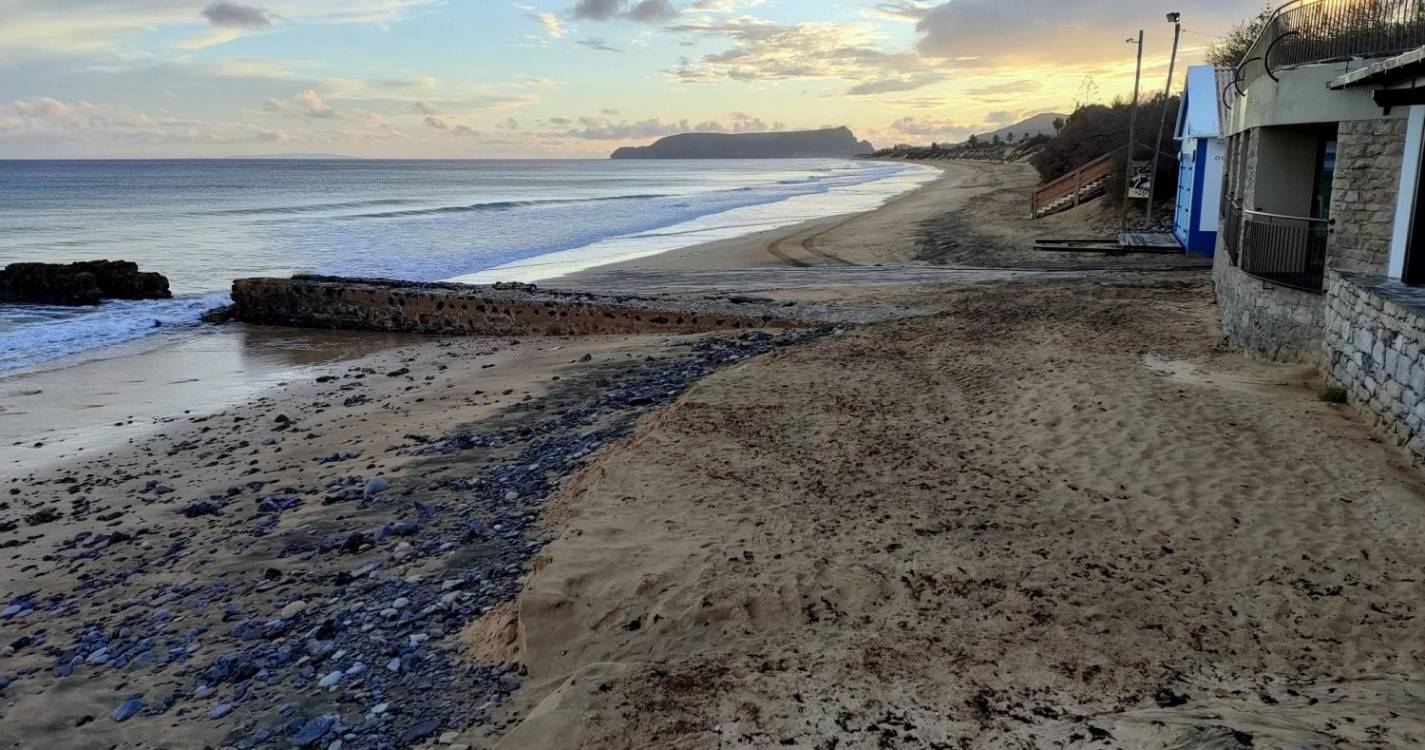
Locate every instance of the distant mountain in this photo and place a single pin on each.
(833, 142)
(1042, 124)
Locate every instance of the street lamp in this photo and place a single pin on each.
(1132, 130)
(1176, 20)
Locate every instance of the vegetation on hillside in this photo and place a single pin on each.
(1011, 148)
(1097, 129)
(1229, 51)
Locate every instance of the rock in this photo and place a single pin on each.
(84, 283)
(293, 609)
(330, 679)
(314, 729)
(419, 731)
(131, 705)
(376, 486)
(448, 738)
(220, 710)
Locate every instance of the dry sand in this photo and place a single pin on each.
(1057, 516)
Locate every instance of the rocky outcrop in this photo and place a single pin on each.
(830, 143)
(460, 309)
(84, 283)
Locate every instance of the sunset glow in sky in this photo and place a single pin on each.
(552, 78)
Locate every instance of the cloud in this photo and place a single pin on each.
(424, 108)
(1022, 86)
(604, 129)
(763, 51)
(306, 104)
(599, 44)
(888, 85)
(646, 11)
(723, 6)
(450, 126)
(1054, 32)
(231, 15)
(48, 28)
(928, 128)
(901, 10)
(551, 23)
(59, 121)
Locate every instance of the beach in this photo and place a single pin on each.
(987, 498)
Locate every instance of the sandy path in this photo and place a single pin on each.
(1056, 516)
(975, 216)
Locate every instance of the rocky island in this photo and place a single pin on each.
(804, 144)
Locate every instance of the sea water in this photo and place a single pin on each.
(203, 223)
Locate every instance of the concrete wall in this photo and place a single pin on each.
(383, 305)
(1265, 320)
(1285, 187)
(1373, 347)
(1369, 160)
(1302, 97)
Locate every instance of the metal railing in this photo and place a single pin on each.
(1313, 31)
(1287, 250)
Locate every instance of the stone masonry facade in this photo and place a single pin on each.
(1369, 156)
(1374, 347)
(1258, 318)
(1264, 320)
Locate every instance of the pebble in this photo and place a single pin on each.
(131, 705)
(330, 679)
(220, 710)
(293, 609)
(314, 729)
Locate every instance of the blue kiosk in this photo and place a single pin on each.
(1201, 124)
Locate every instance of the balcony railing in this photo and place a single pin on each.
(1314, 31)
(1287, 250)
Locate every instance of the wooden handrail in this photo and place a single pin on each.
(1073, 182)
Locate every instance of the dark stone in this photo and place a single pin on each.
(314, 729)
(419, 731)
(84, 283)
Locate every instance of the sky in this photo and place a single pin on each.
(555, 78)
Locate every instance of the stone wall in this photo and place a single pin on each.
(1374, 341)
(1265, 320)
(1369, 154)
(384, 305)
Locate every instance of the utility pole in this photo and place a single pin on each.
(1176, 19)
(1132, 134)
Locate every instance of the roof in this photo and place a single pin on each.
(1384, 71)
(1201, 114)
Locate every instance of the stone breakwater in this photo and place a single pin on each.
(501, 310)
(76, 284)
(340, 631)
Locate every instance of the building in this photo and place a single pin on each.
(1320, 255)
(1201, 122)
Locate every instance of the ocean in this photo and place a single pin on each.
(203, 223)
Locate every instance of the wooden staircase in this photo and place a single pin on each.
(1082, 184)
